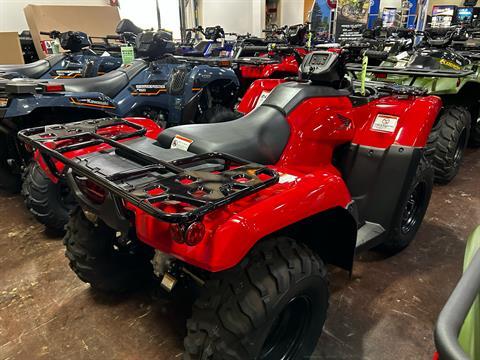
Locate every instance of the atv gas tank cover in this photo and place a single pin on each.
(289, 95)
(259, 136)
(33, 70)
(109, 84)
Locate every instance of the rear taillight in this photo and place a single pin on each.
(191, 235)
(381, 75)
(176, 233)
(49, 88)
(195, 233)
(91, 190)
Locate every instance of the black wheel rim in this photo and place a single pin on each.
(413, 208)
(288, 330)
(457, 157)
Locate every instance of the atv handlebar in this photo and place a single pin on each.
(377, 55)
(114, 37)
(54, 34)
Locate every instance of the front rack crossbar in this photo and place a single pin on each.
(412, 72)
(392, 88)
(179, 191)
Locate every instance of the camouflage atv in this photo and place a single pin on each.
(435, 67)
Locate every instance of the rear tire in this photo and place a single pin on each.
(412, 210)
(447, 142)
(97, 259)
(49, 202)
(273, 305)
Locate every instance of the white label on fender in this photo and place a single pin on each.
(262, 98)
(385, 123)
(284, 178)
(180, 142)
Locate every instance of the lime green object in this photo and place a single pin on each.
(56, 46)
(469, 337)
(363, 74)
(128, 54)
(309, 40)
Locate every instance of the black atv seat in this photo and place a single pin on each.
(109, 84)
(259, 136)
(35, 69)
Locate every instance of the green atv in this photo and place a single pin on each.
(435, 67)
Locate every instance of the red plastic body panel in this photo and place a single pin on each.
(233, 230)
(416, 117)
(250, 99)
(288, 65)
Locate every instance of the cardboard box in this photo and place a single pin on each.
(11, 49)
(93, 20)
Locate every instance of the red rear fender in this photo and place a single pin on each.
(233, 230)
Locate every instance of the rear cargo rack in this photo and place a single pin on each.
(177, 191)
(392, 88)
(411, 72)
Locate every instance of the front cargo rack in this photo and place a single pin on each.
(178, 191)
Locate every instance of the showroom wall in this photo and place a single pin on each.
(15, 21)
(245, 16)
(291, 12)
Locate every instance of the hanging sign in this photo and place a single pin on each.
(350, 19)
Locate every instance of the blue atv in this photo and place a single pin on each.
(82, 59)
(167, 89)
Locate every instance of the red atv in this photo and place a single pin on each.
(251, 210)
(267, 62)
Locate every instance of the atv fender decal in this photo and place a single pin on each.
(180, 142)
(263, 96)
(148, 89)
(98, 103)
(385, 123)
(450, 64)
(66, 74)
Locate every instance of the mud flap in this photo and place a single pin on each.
(190, 109)
(378, 179)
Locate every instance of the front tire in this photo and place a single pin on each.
(272, 305)
(412, 210)
(447, 142)
(49, 202)
(97, 258)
